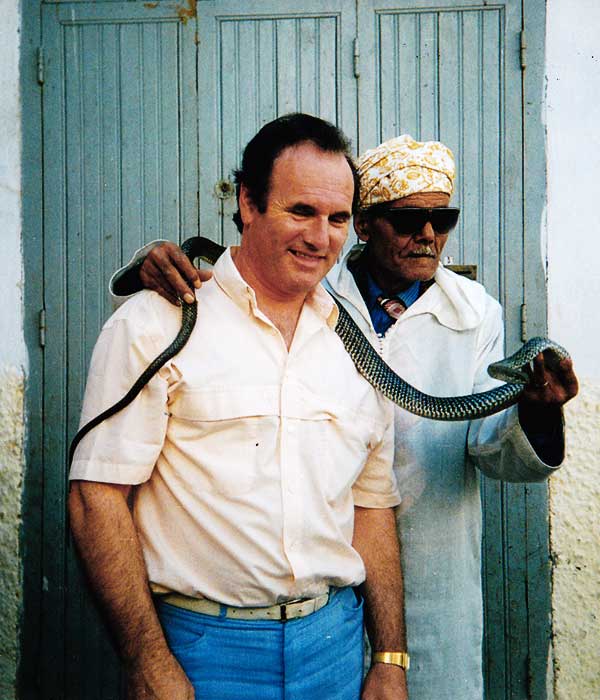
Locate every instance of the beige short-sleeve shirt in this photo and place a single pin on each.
(248, 459)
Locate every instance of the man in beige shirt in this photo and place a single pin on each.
(258, 463)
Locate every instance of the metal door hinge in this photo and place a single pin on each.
(40, 65)
(523, 322)
(523, 50)
(356, 57)
(468, 271)
(42, 327)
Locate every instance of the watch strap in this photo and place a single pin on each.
(396, 658)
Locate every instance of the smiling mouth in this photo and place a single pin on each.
(306, 256)
(422, 251)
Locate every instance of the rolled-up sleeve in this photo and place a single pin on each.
(124, 448)
(376, 485)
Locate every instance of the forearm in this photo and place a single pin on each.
(109, 547)
(375, 539)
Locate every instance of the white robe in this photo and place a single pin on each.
(442, 345)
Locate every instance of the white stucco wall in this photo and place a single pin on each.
(13, 355)
(572, 117)
(573, 228)
(12, 347)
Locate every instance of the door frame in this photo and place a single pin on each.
(30, 540)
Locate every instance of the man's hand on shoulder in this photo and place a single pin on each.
(385, 682)
(157, 676)
(168, 271)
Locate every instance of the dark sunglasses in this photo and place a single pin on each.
(410, 220)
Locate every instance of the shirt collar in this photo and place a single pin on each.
(229, 279)
(373, 290)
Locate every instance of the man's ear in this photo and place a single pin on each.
(246, 205)
(361, 226)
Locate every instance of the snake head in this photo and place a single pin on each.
(506, 373)
(518, 368)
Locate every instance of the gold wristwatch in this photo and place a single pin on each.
(396, 658)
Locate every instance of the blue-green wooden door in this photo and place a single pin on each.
(146, 109)
(453, 71)
(120, 168)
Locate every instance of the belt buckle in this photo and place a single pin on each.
(283, 613)
(283, 608)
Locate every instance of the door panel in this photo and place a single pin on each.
(448, 72)
(440, 73)
(257, 62)
(120, 162)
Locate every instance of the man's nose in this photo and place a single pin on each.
(317, 234)
(426, 234)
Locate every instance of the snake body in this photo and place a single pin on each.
(514, 369)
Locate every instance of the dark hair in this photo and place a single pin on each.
(274, 137)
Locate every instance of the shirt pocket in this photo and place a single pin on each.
(225, 434)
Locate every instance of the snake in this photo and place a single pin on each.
(514, 370)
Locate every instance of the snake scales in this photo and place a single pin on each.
(514, 369)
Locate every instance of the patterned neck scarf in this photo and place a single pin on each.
(384, 309)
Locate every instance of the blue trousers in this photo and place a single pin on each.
(318, 657)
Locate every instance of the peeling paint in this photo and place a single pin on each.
(12, 386)
(575, 550)
(187, 11)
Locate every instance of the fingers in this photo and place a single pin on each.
(539, 378)
(204, 275)
(560, 376)
(184, 266)
(551, 383)
(152, 278)
(567, 377)
(168, 271)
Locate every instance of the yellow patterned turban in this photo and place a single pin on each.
(401, 166)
